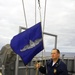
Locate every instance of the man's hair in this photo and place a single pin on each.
(56, 50)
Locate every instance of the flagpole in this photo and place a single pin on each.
(17, 64)
(3, 68)
(35, 12)
(26, 70)
(24, 13)
(44, 15)
(43, 27)
(41, 24)
(17, 59)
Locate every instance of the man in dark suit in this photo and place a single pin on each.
(55, 66)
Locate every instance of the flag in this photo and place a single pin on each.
(28, 43)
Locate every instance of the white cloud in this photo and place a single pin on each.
(60, 18)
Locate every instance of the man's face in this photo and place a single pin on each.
(55, 54)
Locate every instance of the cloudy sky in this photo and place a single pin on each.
(60, 20)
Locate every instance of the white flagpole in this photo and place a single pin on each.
(17, 59)
(17, 64)
(3, 68)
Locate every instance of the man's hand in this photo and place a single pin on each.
(37, 65)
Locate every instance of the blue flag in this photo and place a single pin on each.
(28, 43)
